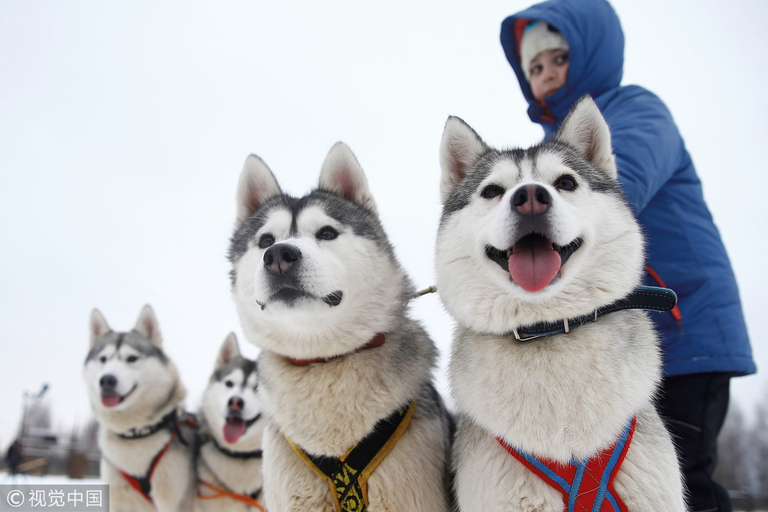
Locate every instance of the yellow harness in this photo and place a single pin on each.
(348, 476)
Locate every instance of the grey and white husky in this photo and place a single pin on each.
(229, 462)
(539, 241)
(136, 395)
(345, 373)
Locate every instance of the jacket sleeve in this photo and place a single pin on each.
(647, 145)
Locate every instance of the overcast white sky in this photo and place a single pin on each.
(124, 126)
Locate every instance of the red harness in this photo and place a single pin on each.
(144, 484)
(585, 485)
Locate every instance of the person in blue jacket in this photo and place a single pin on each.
(561, 50)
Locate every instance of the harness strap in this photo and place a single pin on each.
(376, 341)
(249, 500)
(643, 297)
(255, 454)
(348, 476)
(585, 485)
(143, 484)
(168, 421)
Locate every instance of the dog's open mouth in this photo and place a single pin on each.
(111, 398)
(534, 260)
(236, 426)
(233, 429)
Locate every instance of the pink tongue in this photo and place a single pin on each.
(533, 267)
(110, 400)
(233, 429)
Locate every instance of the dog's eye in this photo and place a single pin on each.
(131, 359)
(492, 191)
(327, 233)
(229, 384)
(266, 240)
(103, 359)
(566, 183)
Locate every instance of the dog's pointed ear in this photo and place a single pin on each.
(342, 175)
(256, 185)
(148, 327)
(228, 351)
(99, 327)
(459, 149)
(585, 130)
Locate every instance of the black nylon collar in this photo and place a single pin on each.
(650, 298)
(168, 422)
(255, 454)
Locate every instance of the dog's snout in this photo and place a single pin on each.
(236, 404)
(280, 258)
(108, 381)
(531, 200)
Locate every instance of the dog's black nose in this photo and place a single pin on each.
(280, 258)
(108, 381)
(236, 403)
(531, 200)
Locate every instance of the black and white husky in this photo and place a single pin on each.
(541, 242)
(354, 420)
(229, 463)
(136, 396)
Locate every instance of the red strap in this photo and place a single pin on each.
(376, 341)
(558, 475)
(222, 493)
(675, 310)
(136, 484)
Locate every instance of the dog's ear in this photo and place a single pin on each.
(99, 327)
(228, 351)
(342, 175)
(148, 327)
(585, 130)
(459, 150)
(256, 185)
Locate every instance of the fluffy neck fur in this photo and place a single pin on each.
(242, 476)
(535, 405)
(346, 396)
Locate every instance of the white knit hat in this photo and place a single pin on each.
(539, 36)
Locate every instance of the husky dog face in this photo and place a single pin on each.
(230, 404)
(526, 234)
(313, 276)
(127, 370)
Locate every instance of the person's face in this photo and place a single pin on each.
(548, 71)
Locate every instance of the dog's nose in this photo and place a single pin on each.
(108, 381)
(236, 403)
(531, 200)
(280, 258)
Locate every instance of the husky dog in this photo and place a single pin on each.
(135, 392)
(355, 422)
(229, 463)
(543, 235)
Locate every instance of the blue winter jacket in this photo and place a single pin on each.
(683, 246)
